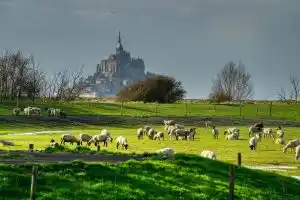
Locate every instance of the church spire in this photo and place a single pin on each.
(119, 39)
(119, 45)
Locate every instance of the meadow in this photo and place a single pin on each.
(262, 110)
(187, 177)
(268, 153)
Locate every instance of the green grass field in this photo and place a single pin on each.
(186, 177)
(268, 153)
(278, 111)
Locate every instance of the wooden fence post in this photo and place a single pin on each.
(186, 109)
(270, 114)
(33, 183)
(231, 182)
(122, 108)
(31, 146)
(239, 159)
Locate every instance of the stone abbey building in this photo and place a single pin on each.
(117, 71)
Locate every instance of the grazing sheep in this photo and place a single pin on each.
(181, 133)
(151, 133)
(230, 137)
(253, 142)
(146, 129)
(159, 135)
(83, 137)
(140, 133)
(32, 110)
(268, 132)
(233, 133)
(192, 133)
(291, 144)
(280, 141)
(16, 111)
(169, 122)
(215, 132)
(280, 133)
(297, 153)
(167, 152)
(171, 131)
(121, 140)
(231, 130)
(68, 138)
(50, 111)
(209, 154)
(253, 130)
(7, 143)
(96, 139)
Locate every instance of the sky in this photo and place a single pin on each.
(191, 40)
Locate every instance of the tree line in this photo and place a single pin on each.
(22, 77)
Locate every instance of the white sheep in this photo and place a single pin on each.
(215, 132)
(235, 131)
(96, 139)
(280, 133)
(83, 137)
(171, 131)
(151, 133)
(253, 130)
(181, 133)
(121, 140)
(146, 129)
(169, 122)
(7, 143)
(291, 144)
(253, 142)
(140, 133)
(280, 141)
(16, 111)
(297, 153)
(268, 132)
(230, 137)
(69, 138)
(159, 135)
(209, 154)
(166, 151)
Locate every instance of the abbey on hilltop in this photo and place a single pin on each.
(117, 71)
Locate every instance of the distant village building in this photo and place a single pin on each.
(117, 71)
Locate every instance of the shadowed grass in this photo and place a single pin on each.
(187, 177)
(278, 111)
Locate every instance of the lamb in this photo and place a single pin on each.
(146, 129)
(83, 137)
(253, 141)
(16, 111)
(268, 132)
(215, 132)
(291, 144)
(151, 133)
(209, 154)
(191, 134)
(96, 139)
(121, 140)
(297, 153)
(7, 143)
(169, 122)
(140, 133)
(234, 130)
(159, 135)
(68, 138)
(166, 151)
(280, 141)
(253, 130)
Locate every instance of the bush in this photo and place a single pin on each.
(161, 89)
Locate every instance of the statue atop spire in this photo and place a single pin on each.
(119, 45)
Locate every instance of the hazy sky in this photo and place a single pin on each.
(189, 39)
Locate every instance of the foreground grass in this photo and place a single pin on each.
(186, 177)
(268, 153)
(278, 111)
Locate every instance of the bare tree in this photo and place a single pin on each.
(232, 83)
(74, 86)
(293, 94)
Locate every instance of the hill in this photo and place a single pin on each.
(186, 177)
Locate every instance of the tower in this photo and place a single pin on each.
(119, 48)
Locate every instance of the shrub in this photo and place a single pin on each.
(161, 89)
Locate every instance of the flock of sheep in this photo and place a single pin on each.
(37, 111)
(256, 133)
